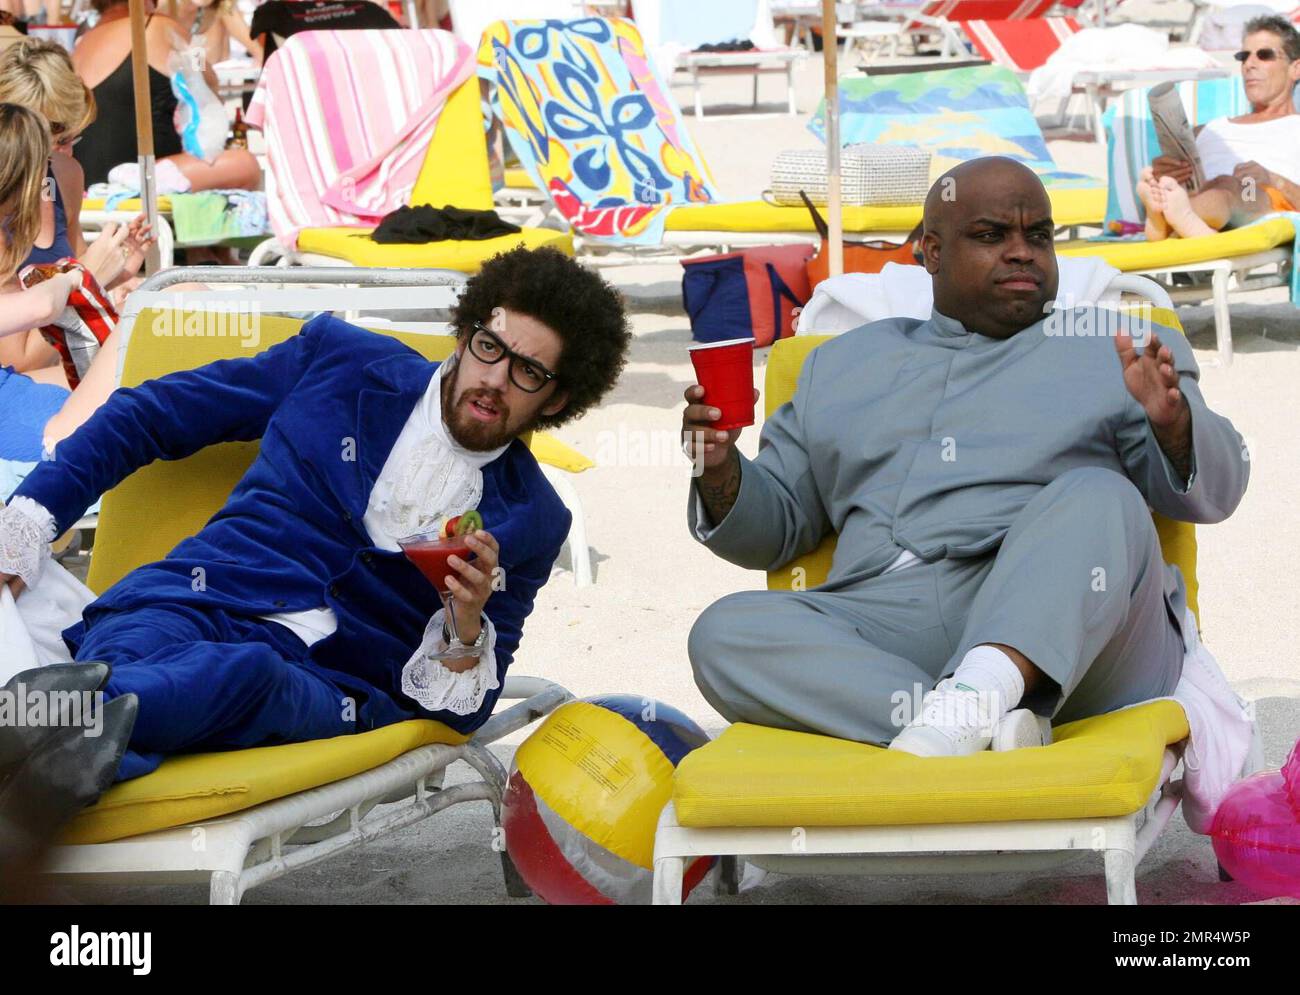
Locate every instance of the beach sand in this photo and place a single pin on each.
(627, 633)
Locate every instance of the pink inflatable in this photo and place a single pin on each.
(1256, 830)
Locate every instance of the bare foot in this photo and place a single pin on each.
(1153, 199)
(1178, 210)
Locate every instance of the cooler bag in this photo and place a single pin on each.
(750, 293)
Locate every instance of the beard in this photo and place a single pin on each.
(468, 431)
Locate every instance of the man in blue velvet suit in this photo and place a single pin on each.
(292, 615)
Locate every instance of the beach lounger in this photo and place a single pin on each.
(679, 28)
(891, 22)
(1254, 257)
(637, 179)
(238, 819)
(1023, 46)
(804, 804)
(441, 155)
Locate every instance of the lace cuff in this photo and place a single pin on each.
(438, 689)
(23, 539)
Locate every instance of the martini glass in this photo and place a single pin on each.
(429, 551)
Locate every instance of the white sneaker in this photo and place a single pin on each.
(1021, 728)
(954, 721)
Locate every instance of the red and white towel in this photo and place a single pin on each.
(85, 323)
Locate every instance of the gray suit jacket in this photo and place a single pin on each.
(919, 435)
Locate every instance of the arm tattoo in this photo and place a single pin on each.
(1179, 453)
(720, 488)
(1176, 444)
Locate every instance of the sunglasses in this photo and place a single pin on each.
(1263, 54)
(61, 139)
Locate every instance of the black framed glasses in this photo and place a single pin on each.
(1263, 54)
(527, 374)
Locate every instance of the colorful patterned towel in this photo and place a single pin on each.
(955, 114)
(348, 117)
(217, 215)
(593, 125)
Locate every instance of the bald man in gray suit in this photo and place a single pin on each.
(990, 477)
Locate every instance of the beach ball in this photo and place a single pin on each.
(1256, 830)
(584, 796)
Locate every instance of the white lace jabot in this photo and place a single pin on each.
(427, 477)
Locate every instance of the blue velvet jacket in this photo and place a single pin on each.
(328, 405)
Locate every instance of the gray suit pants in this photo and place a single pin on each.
(1078, 585)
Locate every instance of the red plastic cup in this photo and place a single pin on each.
(726, 372)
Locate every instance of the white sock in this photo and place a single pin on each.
(992, 674)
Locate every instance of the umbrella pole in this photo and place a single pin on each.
(144, 128)
(834, 216)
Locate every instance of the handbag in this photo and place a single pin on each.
(860, 257)
(750, 293)
(870, 175)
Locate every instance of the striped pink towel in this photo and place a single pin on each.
(348, 117)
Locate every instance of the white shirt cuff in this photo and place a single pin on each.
(438, 689)
(37, 513)
(25, 535)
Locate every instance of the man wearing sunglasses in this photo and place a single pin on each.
(293, 614)
(1251, 163)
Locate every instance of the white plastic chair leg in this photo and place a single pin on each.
(1121, 885)
(667, 886)
(579, 551)
(265, 253)
(1222, 316)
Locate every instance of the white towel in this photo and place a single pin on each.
(32, 624)
(1222, 731)
(1126, 47)
(899, 291)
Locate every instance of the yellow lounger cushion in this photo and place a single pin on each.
(1081, 206)
(1096, 768)
(203, 786)
(464, 256)
(1129, 256)
(134, 204)
(518, 179)
(550, 450)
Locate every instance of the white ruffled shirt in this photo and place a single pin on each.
(427, 477)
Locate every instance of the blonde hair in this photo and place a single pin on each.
(39, 75)
(24, 152)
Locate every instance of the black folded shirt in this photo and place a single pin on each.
(426, 223)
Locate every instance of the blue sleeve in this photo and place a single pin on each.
(170, 418)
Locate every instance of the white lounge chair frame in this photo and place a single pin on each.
(1257, 271)
(92, 223)
(245, 849)
(926, 849)
(950, 848)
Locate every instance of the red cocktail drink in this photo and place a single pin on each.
(430, 552)
(431, 556)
